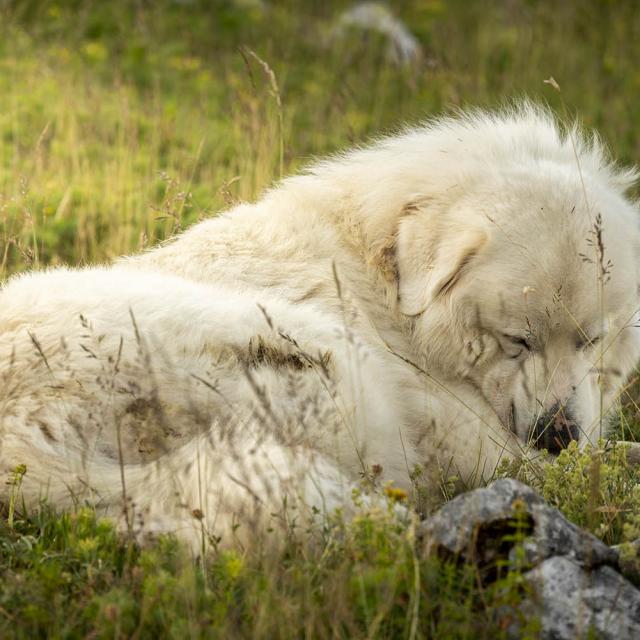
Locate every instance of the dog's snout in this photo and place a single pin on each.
(554, 430)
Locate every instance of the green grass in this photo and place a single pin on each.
(70, 576)
(121, 123)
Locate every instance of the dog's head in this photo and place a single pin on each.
(525, 283)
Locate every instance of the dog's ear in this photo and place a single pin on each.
(431, 259)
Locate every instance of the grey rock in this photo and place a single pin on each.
(577, 592)
(573, 602)
(473, 526)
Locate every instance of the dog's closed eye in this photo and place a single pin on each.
(587, 342)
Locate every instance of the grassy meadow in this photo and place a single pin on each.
(124, 122)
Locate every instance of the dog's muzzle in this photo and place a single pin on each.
(554, 430)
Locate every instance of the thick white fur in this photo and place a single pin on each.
(355, 316)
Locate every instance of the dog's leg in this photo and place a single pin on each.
(214, 491)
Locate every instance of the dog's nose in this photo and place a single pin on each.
(554, 430)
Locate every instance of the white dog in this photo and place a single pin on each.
(442, 299)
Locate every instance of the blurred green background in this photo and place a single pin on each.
(122, 122)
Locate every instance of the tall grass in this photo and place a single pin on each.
(123, 122)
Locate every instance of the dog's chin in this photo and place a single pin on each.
(509, 420)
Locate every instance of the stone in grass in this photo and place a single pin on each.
(573, 602)
(474, 525)
(577, 592)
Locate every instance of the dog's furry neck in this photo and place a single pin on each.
(347, 210)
